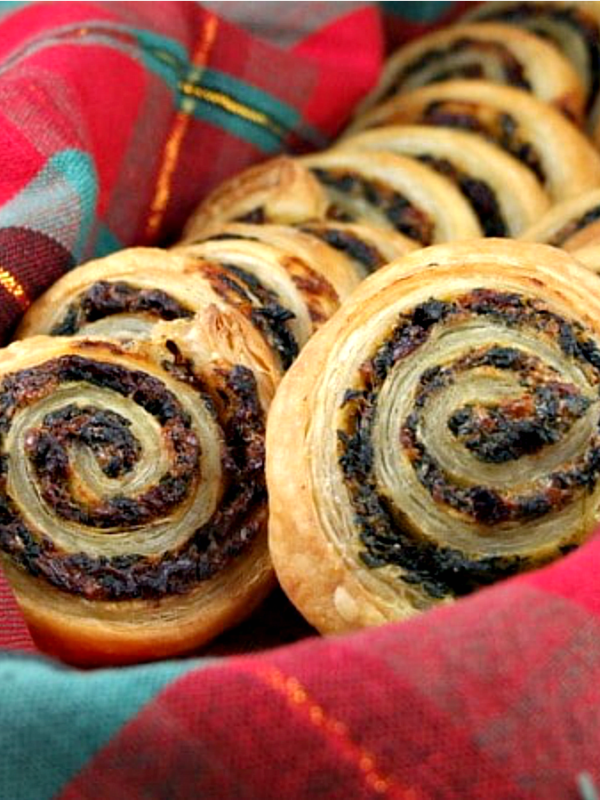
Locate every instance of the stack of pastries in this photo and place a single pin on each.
(371, 373)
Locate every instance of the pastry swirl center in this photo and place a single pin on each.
(470, 430)
(132, 492)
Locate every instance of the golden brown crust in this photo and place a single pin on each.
(490, 51)
(573, 28)
(280, 191)
(558, 152)
(341, 582)
(367, 248)
(279, 244)
(81, 638)
(505, 195)
(146, 269)
(394, 193)
(156, 587)
(570, 225)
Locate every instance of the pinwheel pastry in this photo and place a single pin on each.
(506, 197)
(293, 243)
(280, 191)
(123, 294)
(571, 225)
(494, 52)
(295, 294)
(392, 192)
(589, 257)
(554, 149)
(133, 501)
(360, 248)
(126, 293)
(379, 189)
(574, 28)
(367, 247)
(445, 434)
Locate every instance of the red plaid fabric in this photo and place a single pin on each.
(406, 21)
(13, 633)
(494, 697)
(116, 118)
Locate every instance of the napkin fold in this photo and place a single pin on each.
(496, 696)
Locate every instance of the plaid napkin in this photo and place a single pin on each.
(116, 119)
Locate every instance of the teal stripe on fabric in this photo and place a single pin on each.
(53, 719)
(77, 169)
(429, 11)
(106, 242)
(166, 57)
(59, 202)
(170, 61)
(281, 113)
(263, 138)
(7, 6)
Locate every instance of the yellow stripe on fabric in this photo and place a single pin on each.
(337, 732)
(233, 106)
(11, 285)
(180, 126)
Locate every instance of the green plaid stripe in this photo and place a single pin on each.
(45, 710)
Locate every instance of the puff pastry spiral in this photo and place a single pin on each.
(327, 246)
(132, 487)
(506, 197)
(446, 433)
(573, 28)
(381, 190)
(495, 52)
(552, 147)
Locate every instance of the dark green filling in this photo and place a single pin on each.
(572, 17)
(503, 130)
(398, 210)
(106, 433)
(492, 52)
(553, 407)
(478, 193)
(500, 433)
(270, 316)
(348, 243)
(106, 298)
(209, 549)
